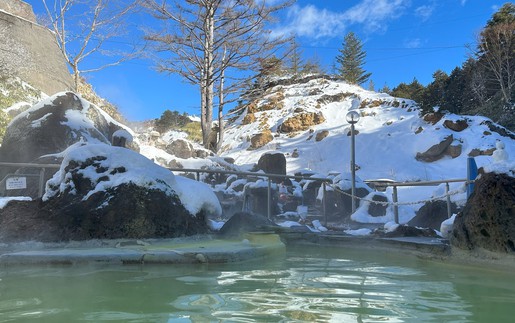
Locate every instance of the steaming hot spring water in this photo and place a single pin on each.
(310, 284)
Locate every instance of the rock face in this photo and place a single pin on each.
(488, 219)
(302, 121)
(18, 8)
(273, 163)
(53, 125)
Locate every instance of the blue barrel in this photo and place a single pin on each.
(471, 174)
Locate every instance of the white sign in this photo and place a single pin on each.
(16, 183)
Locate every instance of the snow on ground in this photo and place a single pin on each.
(386, 144)
(390, 134)
(5, 200)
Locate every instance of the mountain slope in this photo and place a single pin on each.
(391, 132)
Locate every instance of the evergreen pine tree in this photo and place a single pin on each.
(351, 60)
(371, 85)
(295, 58)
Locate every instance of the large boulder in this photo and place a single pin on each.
(488, 219)
(110, 192)
(243, 222)
(273, 163)
(458, 125)
(256, 199)
(54, 124)
(436, 152)
(181, 148)
(432, 214)
(261, 139)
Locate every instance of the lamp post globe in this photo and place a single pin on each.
(352, 117)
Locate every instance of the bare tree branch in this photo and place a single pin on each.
(82, 28)
(210, 42)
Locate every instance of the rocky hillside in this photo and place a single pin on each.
(305, 120)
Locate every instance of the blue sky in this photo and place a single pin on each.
(403, 39)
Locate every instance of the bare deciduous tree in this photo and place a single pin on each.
(496, 48)
(85, 27)
(204, 40)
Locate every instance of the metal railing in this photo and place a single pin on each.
(327, 181)
(395, 196)
(268, 177)
(40, 175)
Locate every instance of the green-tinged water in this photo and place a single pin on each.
(308, 284)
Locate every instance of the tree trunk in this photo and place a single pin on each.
(76, 77)
(220, 112)
(209, 77)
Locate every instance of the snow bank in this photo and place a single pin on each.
(5, 200)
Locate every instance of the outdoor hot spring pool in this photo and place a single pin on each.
(307, 284)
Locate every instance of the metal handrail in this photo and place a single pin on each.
(35, 165)
(269, 176)
(41, 174)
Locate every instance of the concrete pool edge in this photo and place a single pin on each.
(432, 249)
(251, 247)
(152, 251)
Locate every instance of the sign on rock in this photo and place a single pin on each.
(16, 183)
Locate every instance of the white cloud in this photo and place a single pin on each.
(424, 12)
(312, 22)
(412, 43)
(373, 13)
(463, 2)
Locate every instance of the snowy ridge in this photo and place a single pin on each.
(391, 132)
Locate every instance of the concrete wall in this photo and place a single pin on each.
(29, 51)
(18, 8)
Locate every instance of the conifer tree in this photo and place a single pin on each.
(351, 60)
(295, 58)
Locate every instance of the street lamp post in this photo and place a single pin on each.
(352, 117)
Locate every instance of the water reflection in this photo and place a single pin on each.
(306, 286)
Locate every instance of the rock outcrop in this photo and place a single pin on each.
(458, 125)
(301, 121)
(438, 151)
(488, 219)
(261, 139)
